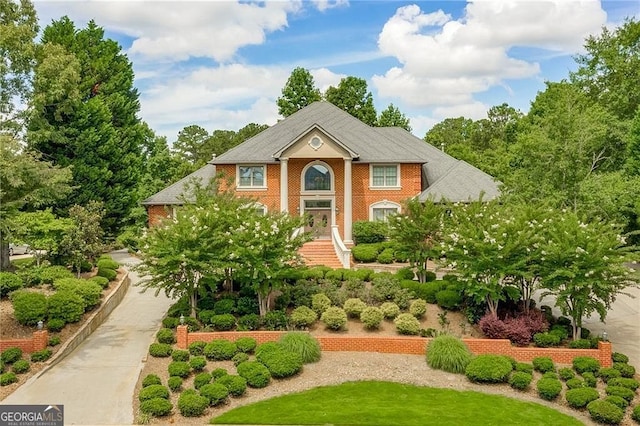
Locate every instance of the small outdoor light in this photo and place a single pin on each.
(40, 325)
(605, 336)
(181, 319)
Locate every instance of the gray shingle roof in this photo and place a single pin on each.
(173, 193)
(461, 183)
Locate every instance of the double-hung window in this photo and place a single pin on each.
(385, 176)
(251, 177)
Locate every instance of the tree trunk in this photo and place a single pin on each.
(263, 303)
(5, 261)
(193, 302)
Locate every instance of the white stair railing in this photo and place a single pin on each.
(343, 253)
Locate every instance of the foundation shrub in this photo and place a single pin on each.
(41, 355)
(418, 308)
(220, 350)
(579, 398)
(590, 379)
(153, 391)
(302, 344)
(223, 322)
(180, 355)
(255, 373)
(11, 355)
(29, 307)
(7, 379)
(107, 273)
(448, 353)
(520, 380)
(566, 373)
(197, 363)
(574, 383)
(66, 305)
(249, 322)
(197, 347)
(407, 324)
(390, 310)
(151, 379)
(365, 253)
(216, 393)
(303, 317)
(605, 412)
(21, 366)
(334, 318)
(626, 370)
(618, 401)
(353, 307)
(157, 407)
(239, 358)
(54, 325)
(608, 373)
(489, 369)
(165, 335)
(236, 385)
(368, 232)
(201, 379)
(524, 367)
(371, 317)
(620, 391)
(160, 350)
(191, 404)
(546, 340)
(179, 368)
(619, 357)
(583, 364)
(246, 344)
(9, 282)
(174, 383)
(320, 302)
(549, 388)
(632, 384)
(543, 364)
(386, 256)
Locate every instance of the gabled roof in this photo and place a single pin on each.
(173, 193)
(278, 154)
(461, 183)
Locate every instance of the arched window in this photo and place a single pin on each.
(383, 209)
(317, 177)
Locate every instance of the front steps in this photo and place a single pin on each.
(320, 252)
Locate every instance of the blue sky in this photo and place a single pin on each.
(223, 64)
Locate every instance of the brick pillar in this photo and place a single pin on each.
(182, 336)
(606, 351)
(40, 340)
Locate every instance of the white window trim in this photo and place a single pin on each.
(384, 204)
(331, 191)
(258, 205)
(251, 188)
(374, 188)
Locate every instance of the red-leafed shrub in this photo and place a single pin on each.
(518, 331)
(535, 321)
(493, 327)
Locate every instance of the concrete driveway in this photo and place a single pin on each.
(96, 382)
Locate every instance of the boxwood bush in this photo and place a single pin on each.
(448, 353)
(566, 373)
(249, 322)
(41, 355)
(179, 368)
(390, 310)
(220, 350)
(365, 253)
(303, 344)
(101, 281)
(579, 398)
(371, 317)
(197, 347)
(303, 317)
(334, 318)
(180, 355)
(583, 364)
(49, 274)
(246, 344)
(281, 363)
(151, 379)
(635, 414)
(237, 385)
(520, 380)
(605, 412)
(407, 324)
(608, 373)
(546, 339)
(625, 382)
(256, 374)
(158, 407)
(198, 363)
(590, 379)
(153, 391)
(90, 291)
(320, 302)
(626, 370)
(174, 383)
(191, 404)
(55, 325)
(11, 355)
(575, 383)
(543, 364)
(21, 366)
(449, 299)
(160, 350)
(107, 273)
(619, 357)
(107, 263)
(354, 307)
(29, 307)
(216, 393)
(418, 308)
(489, 369)
(618, 401)
(66, 305)
(620, 391)
(275, 320)
(367, 232)
(8, 378)
(201, 379)
(165, 335)
(239, 358)
(524, 367)
(9, 282)
(549, 388)
(223, 322)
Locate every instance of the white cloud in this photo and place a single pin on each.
(323, 5)
(323, 78)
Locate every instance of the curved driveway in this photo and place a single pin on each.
(96, 382)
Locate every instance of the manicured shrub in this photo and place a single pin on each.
(54, 340)
(246, 344)
(196, 348)
(550, 375)
(21, 366)
(153, 391)
(179, 368)
(108, 263)
(247, 305)
(524, 367)
(580, 344)
(365, 253)
(605, 412)
(101, 281)
(386, 288)
(579, 398)
(448, 353)
(354, 307)
(41, 355)
(625, 370)
(282, 363)
(561, 331)
(249, 322)
(368, 232)
(220, 350)
(201, 379)
(405, 273)
(619, 357)
(574, 383)
(520, 380)
(371, 317)
(197, 363)
(303, 344)
(224, 322)
(107, 273)
(566, 374)
(265, 348)
(237, 385)
(620, 391)
(449, 299)
(11, 355)
(174, 383)
(390, 310)
(219, 372)
(8, 378)
(88, 290)
(157, 407)
(151, 379)
(320, 302)
(543, 364)
(549, 388)
(165, 335)
(191, 404)
(256, 374)
(239, 358)
(275, 320)
(335, 274)
(632, 384)
(430, 289)
(29, 307)
(385, 256)
(492, 327)
(407, 324)
(216, 393)
(49, 274)
(607, 373)
(489, 369)
(180, 355)
(418, 308)
(334, 318)
(66, 305)
(303, 317)
(55, 325)
(546, 339)
(635, 414)
(583, 364)
(590, 379)
(617, 401)
(9, 282)
(224, 306)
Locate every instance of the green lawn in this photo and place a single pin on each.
(384, 403)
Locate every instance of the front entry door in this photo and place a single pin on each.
(318, 218)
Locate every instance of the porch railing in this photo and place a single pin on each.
(343, 253)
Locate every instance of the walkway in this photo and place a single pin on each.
(96, 382)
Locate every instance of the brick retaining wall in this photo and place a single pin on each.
(38, 341)
(407, 345)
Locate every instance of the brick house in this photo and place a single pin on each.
(324, 163)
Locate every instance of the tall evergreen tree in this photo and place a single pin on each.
(352, 96)
(85, 115)
(299, 92)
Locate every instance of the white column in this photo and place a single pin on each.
(284, 185)
(348, 209)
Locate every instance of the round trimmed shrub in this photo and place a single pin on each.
(220, 350)
(174, 383)
(246, 344)
(583, 364)
(617, 401)
(153, 391)
(418, 308)
(216, 393)
(546, 339)
(265, 348)
(198, 363)
(302, 344)
(605, 412)
(365, 253)
(489, 369)
(303, 316)
(107, 273)
(191, 404)
(88, 290)
(41, 355)
(354, 307)
(165, 335)
(626, 370)
(170, 322)
(590, 379)
(237, 385)
(160, 350)
(579, 398)
(256, 374)
(320, 302)
(11, 355)
(8, 378)
(180, 355)
(282, 363)
(179, 368)
(21, 366)
(334, 318)
(218, 372)
(520, 380)
(9, 282)
(448, 353)
(151, 379)
(390, 310)
(635, 414)
(625, 382)
(158, 407)
(201, 380)
(196, 348)
(101, 281)
(66, 305)
(49, 274)
(580, 344)
(574, 383)
(524, 367)
(371, 317)
(55, 325)
(550, 375)
(430, 289)
(620, 391)
(543, 364)
(405, 273)
(107, 263)
(619, 357)
(407, 324)
(608, 373)
(223, 322)
(549, 388)
(239, 358)
(449, 299)
(29, 307)
(249, 322)
(566, 373)
(386, 256)
(54, 340)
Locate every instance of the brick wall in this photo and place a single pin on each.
(157, 214)
(407, 345)
(37, 342)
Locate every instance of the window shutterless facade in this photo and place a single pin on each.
(385, 175)
(252, 176)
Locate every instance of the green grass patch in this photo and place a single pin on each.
(376, 403)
